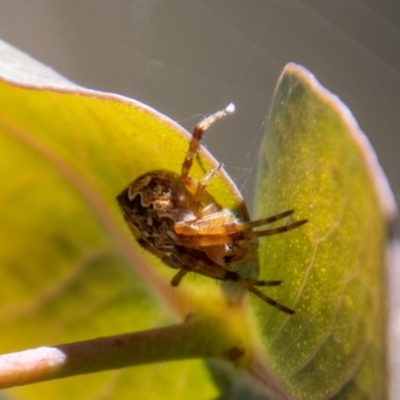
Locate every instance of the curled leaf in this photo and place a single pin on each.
(69, 267)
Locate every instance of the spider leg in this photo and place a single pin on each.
(247, 284)
(264, 221)
(198, 131)
(274, 231)
(187, 235)
(201, 187)
(189, 260)
(178, 277)
(264, 283)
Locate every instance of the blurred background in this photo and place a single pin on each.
(187, 58)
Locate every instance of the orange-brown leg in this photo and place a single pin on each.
(198, 131)
(201, 188)
(205, 239)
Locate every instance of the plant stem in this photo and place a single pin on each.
(192, 339)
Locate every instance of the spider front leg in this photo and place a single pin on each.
(197, 134)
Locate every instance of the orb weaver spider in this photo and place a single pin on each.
(176, 219)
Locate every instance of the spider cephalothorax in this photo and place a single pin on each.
(176, 219)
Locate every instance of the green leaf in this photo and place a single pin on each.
(70, 268)
(316, 160)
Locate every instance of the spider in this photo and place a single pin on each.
(175, 218)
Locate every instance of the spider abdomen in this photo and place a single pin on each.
(153, 203)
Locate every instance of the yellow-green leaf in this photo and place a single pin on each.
(69, 268)
(316, 160)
